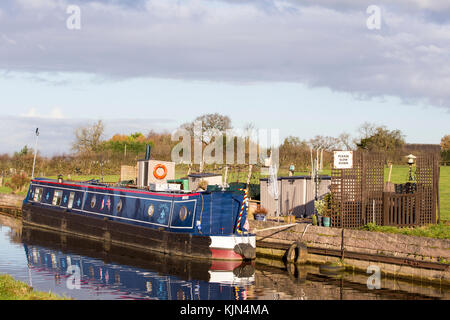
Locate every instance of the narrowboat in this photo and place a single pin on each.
(203, 224)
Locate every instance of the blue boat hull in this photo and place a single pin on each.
(201, 225)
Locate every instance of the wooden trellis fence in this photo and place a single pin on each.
(359, 197)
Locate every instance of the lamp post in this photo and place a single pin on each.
(291, 170)
(35, 152)
(411, 159)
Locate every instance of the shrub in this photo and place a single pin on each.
(261, 210)
(18, 182)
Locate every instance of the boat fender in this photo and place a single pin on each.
(155, 171)
(245, 250)
(297, 253)
(244, 271)
(291, 253)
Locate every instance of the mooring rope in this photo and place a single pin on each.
(277, 227)
(304, 231)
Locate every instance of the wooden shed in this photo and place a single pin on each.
(296, 195)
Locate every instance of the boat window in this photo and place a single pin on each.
(119, 205)
(71, 199)
(57, 198)
(38, 195)
(93, 201)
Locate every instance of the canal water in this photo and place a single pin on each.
(85, 269)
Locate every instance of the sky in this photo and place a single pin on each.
(304, 67)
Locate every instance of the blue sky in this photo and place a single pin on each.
(306, 69)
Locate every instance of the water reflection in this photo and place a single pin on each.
(133, 274)
(307, 283)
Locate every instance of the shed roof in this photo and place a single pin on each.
(204, 175)
(298, 178)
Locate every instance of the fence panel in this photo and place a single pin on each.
(402, 210)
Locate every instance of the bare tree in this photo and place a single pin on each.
(212, 124)
(88, 139)
(367, 130)
(324, 142)
(346, 141)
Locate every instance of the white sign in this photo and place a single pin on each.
(343, 159)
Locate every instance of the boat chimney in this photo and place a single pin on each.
(147, 152)
(60, 178)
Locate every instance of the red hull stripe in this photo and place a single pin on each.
(225, 254)
(222, 265)
(120, 190)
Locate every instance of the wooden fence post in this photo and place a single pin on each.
(386, 208)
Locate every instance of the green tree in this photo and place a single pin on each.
(380, 139)
(445, 143)
(134, 143)
(445, 149)
(25, 151)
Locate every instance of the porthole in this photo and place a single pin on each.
(183, 213)
(119, 206)
(93, 201)
(151, 210)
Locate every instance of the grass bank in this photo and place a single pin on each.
(11, 289)
(438, 231)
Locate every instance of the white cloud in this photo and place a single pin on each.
(9, 40)
(39, 4)
(55, 113)
(321, 43)
(31, 113)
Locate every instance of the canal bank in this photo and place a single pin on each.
(399, 256)
(11, 204)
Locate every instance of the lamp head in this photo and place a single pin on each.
(411, 159)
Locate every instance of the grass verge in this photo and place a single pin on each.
(438, 231)
(11, 289)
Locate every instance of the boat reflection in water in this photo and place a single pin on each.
(132, 273)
